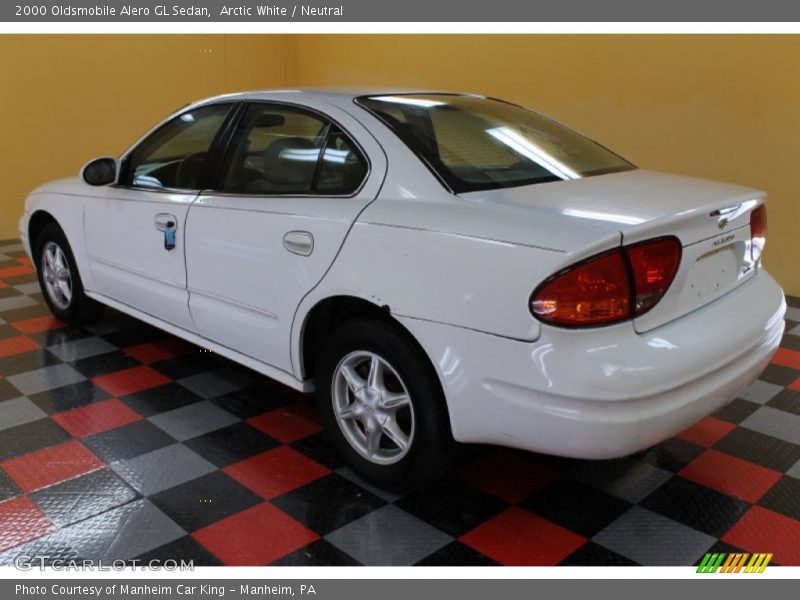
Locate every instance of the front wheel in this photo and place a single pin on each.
(59, 278)
(382, 405)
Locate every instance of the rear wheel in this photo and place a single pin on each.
(382, 405)
(59, 278)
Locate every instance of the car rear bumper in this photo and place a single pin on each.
(605, 392)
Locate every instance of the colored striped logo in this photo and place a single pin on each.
(734, 563)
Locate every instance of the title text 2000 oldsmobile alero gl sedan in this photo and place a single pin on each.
(438, 267)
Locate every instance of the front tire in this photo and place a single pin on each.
(382, 405)
(60, 280)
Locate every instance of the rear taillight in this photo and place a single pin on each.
(758, 231)
(654, 265)
(610, 287)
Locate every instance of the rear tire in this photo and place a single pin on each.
(374, 382)
(60, 280)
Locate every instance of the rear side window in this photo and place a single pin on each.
(278, 150)
(475, 143)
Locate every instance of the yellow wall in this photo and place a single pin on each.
(66, 99)
(724, 107)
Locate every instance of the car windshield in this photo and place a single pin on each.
(474, 143)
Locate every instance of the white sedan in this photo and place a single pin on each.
(439, 268)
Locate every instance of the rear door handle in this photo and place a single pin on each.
(299, 242)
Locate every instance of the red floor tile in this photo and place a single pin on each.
(730, 475)
(38, 324)
(289, 423)
(97, 417)
(24, 260)
(3, 284)
(276, 472)
(21, 521)
(517, 537)
(507, 474)
(786, 357)
(761, 530)
(795, 385)
(707, 432)
(256, 536)
(16, 345)
(16, 271)
(43, 468)
(130, 380)
(150, 352)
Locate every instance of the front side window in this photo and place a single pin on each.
(174, 155)
(475, 143)
(282, 150)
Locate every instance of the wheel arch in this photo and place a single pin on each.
(36, 223)
(329, 312)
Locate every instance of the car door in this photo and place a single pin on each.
(135, 229)
(291, 184)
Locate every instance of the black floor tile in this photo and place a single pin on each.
(564, 502)
(317, 554)
(27, 361)
(184, 550)
(787, 400)
(318, 448)
(784, 497)
(68, 397)
(205, 500)
(185, 366)
(83, 497)
(456, 554)
(160, 399)
(251, 401)
(8, 391)
(792, 342)
(30, 437)
(452, 506)
(22, 314)
(697, 506)
(103, 364)
(7, 331)
(760, 449)
(8, 489)
(779, 375)
(231, 444)
(328, 503)
(130, 336)
(128, 441)
(737, 411)
(595, 555)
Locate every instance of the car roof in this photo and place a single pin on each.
(334, 94)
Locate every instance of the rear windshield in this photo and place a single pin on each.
(475, 143)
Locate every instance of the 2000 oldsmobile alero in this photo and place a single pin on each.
(438, 267)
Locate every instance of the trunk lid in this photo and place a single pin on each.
(711, 220)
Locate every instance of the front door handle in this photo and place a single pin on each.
(299, 242)
(169, 225)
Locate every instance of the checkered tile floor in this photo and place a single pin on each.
(119, 442)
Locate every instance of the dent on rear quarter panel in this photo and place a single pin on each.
(465, 281)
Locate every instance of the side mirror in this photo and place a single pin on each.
(100, 171)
